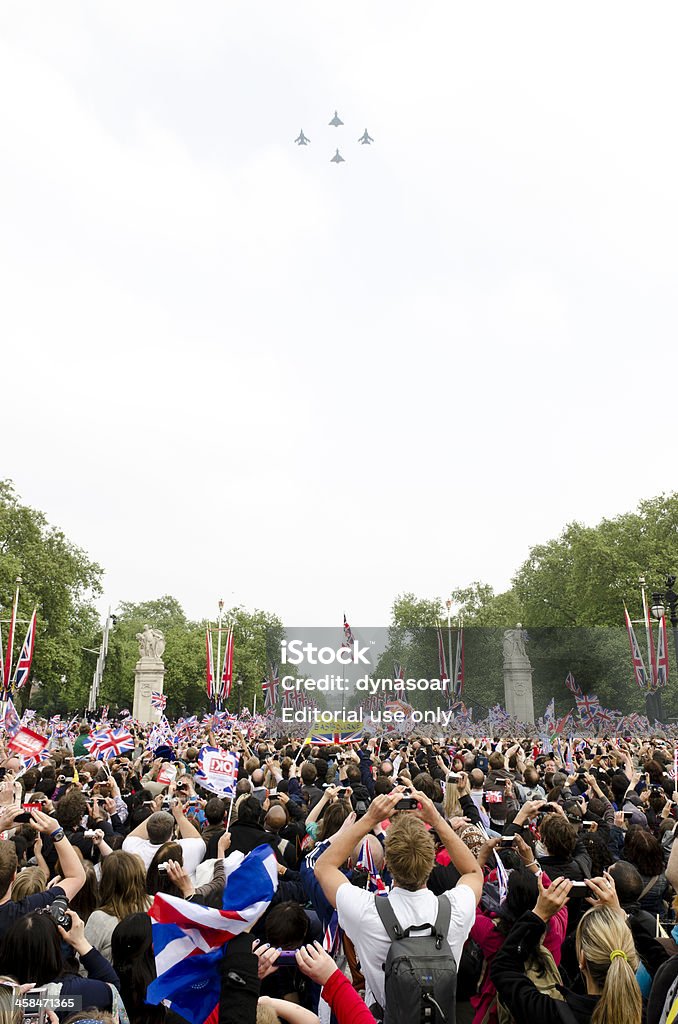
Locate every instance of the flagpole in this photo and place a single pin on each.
(10, 642)
(217, 682)
(449, 647)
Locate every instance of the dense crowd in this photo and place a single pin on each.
(472, 880)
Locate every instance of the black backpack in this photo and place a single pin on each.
(420, 973)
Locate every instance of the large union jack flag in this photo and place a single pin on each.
(639, 670)
(23, 665)
(349, 639)
(107, 743)
(158, 700)
(270, 685)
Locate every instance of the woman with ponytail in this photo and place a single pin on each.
(605, 952)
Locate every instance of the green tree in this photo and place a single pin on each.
(61, 581)
(256, 639)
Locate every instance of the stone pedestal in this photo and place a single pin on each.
(518, 676)
(518, 692)
(149, 675)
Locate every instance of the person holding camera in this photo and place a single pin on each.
(72, 871)
(410, 858)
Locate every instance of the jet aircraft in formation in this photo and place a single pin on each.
(336, 122)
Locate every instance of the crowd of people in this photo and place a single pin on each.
(466, 879)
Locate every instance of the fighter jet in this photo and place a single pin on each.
(365, 139)
(336, 120)
(301, 139)
(337, 158)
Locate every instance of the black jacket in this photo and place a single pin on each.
(239, 982)
(515, 989)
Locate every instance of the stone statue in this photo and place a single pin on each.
(514, 644)
(151, 643)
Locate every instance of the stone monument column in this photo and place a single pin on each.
(149, 674)
(517, 676)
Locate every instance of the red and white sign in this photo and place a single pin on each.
(167, 774)
(218, 770)
(27, 743)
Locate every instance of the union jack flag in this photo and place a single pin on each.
(458, 683)
(160, 735)
(398, 671)
(365, 862)
(209, 682)
(442, 664)
(270, 685)
(23, 665)
(158, 700)
(349, 639)
(332, 936)
(11, 720)
(662, 659)
(288, 699)
(227, 674)
(588, 708)
(572, 686)
(639, 670)
(604, 717)
(107, 743)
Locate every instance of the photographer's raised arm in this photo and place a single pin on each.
(327, 867)
(72, 871)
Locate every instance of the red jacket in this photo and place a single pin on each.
(344, 1001)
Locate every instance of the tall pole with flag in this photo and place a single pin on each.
(7, 681)
(220, 619)
(448, 604)
(101, 662)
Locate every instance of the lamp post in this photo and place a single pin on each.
(660, 599)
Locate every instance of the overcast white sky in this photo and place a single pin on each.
(232, 368)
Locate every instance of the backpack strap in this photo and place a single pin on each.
(442, 925)
(395, 930)
(387, 917)
(650, 885)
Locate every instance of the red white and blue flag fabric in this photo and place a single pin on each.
(588, 708)
(572, 685)
(270, 685)
(188, 940)
(11, 720)
(662, 677)
(158, 700)
(226, 682)
(458, 684)
(442, 664)
(108, 743)
(334, 738)
(349, 639)
(209, 678)
(639, 670)
(23, 665)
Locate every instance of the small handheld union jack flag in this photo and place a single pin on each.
(158, 700)
(107, 743)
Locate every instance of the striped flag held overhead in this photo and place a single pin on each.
(188, 939)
